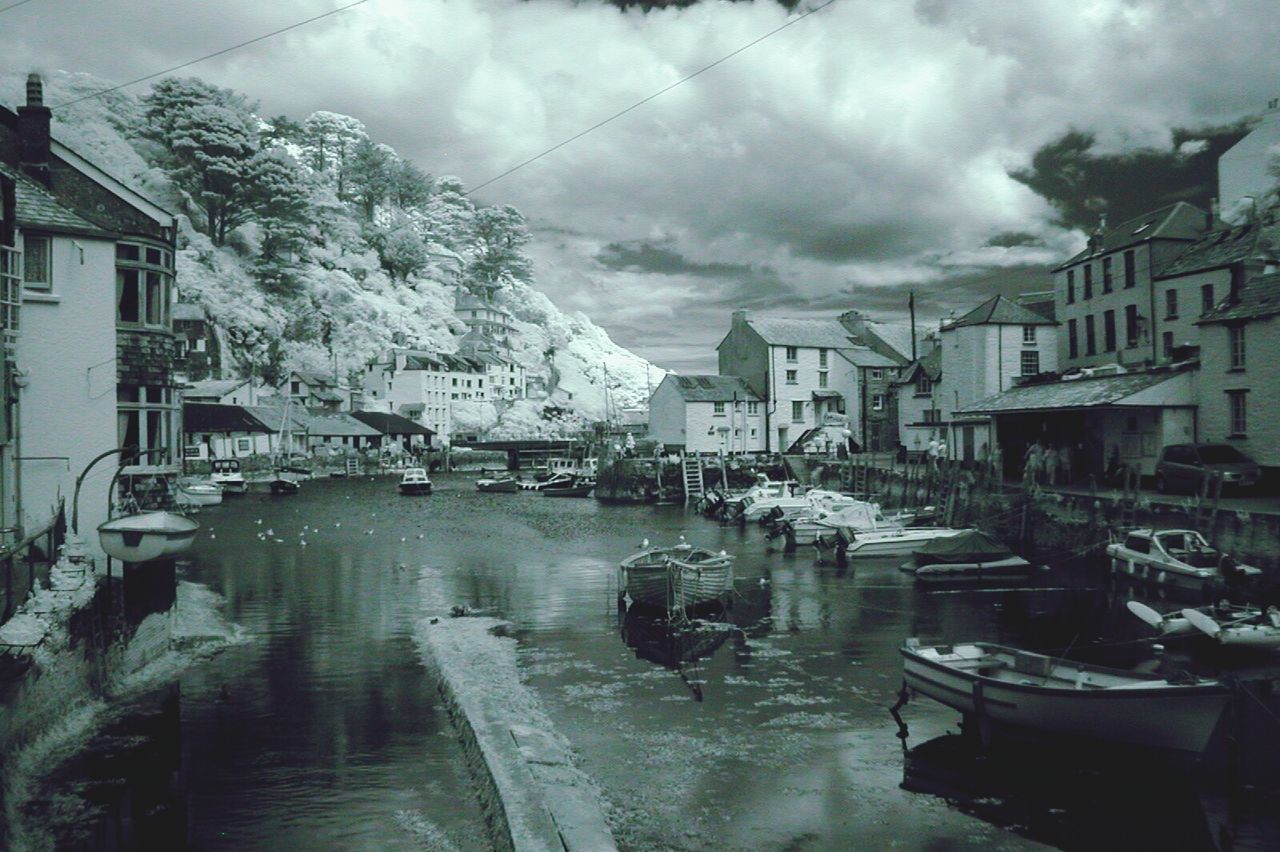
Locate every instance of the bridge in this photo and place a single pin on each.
(531, 449)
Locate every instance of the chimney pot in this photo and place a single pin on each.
(33, 132)
(35, 90)
(740, 316)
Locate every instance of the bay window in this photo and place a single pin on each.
(144, 281)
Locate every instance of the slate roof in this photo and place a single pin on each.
(896, 335)
(469, 302)
(314, 378)
(861, 356)
(999, 310)
(1260, 297)
(821, 333)
(211, 417)
(1091, 392)
(391, 424)
(40, 210)
(212, 388)
(1177, 221)
(1220, 247)
(712, 388)
(930, 363)
(339, 426)
(273, 416)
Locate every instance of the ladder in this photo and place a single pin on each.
(694, 486)
(353, 466)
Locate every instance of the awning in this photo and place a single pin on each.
(1160, 389)
(827, 394)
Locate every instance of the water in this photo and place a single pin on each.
(764, 726)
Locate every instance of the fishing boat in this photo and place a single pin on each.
(698, 579)
(199, 492)
(574, 487)
(1178, 559)
(144, 536)
(675, 577)
(972, 556)
(283, 485)
(226, 474)
(502, 484)
(1022, 691)
(414, 480)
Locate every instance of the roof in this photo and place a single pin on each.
(211, 417)
(931, 364)
(861, 356)
(1177, 221)
(391, 424)
(711, 388)
(1093, 392)
(274, 416)
(999, 310)
(314, 378)
(187, 311)
(1258, 298)
(216, 388)
(1220, 247)
(340, 426)
(895, 335)
(38, 208)
(469, 302)
(824, 333)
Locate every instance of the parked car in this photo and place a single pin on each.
(1183, 467)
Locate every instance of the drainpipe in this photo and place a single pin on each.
(1151, 301)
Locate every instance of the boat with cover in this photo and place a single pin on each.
(1178, 559)
(1018, 690)
(1176, 624)
(1258, 630)
(676, 577)
(414, 480)
(501, 484)
(226, 474)
(144, 536)
(971, 556)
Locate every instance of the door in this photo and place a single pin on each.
(967, 438)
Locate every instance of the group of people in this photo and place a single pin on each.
(1048, 464)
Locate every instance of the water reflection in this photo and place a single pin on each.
(682, 643)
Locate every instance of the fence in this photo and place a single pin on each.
(25, 563)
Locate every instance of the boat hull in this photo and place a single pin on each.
(231, 487)
(572, 491)
(700, 582)
(675, 578)
(147, 536)
(1013, 568)
(415, 488)
(197, 495)
(498, 486)
(891, 542)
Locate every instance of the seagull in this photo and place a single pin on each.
(211, 535)
(419, 535)
(258, 522)
(279, 540)
(270, 531)
(338, 524)
(403, 539)
(644, 543)
(302, 542)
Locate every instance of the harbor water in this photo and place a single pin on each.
(764, 725)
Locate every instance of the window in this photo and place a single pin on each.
(792, 354)
(36, 267)
(822, 378)
(1130, 270)
(1029, 334)
(753, 408)
(243, 445)
(1030, 363)
(1106, 275)
(144, 280)
(1090, 337)
(1237, 401)
(295, 387)
(877, 373)
(718, 409)
(1206, 298)
(877, 402)
(1131, 325)
(10, 292)
(822, 357)
(1071, 286)
(1108, 331)
(933, 415)
(797, 410)
(791, 377)
(924, 386)
(1073, 341)
(1088, 281)
(1166, 343)
(753, 431)
(146, 417)
(1236, 344)
(1170, 304)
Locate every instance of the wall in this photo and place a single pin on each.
(911, 414)
(666, 414)
(1261, 378)
(68, 350)
(842, 377)
(1116, 300)
(744, 353)
(700, 418)
(1244, 169)
(1184, 327)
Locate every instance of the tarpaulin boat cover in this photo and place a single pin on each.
(971, 546)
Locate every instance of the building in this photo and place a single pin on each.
(808, 373)
(891, 348)
(1239, 389)
(335, 432)
(94, 360)
(504, 379)
(1105, 296)
(1244, 170)
(983, 353)
(199, 350)
(707, 414)
(915, 396)
(418, 385)
(226, 392)
(397, 431)
(484, 318)
(315, 390)
(218, 431)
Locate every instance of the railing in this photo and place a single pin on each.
(29, 560)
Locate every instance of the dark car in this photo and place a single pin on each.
(1183, 467)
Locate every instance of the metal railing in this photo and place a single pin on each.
(28, 561)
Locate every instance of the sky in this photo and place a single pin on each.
(855, 155)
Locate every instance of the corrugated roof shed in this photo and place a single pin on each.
(1177, 221)
(1260, 297)
(391, 424)
(712, 388)
(1072, 393)
(1220, 247)
(822, 333)
(999, 311)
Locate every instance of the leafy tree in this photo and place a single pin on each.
(448, 216)
(173, 97)
(211, 147)
(401, 249)
(279, 195)
(371, 176)
(410, 186)
(331, 140)
(501, 236)
(281, 128)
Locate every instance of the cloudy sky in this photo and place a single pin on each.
(859, 153)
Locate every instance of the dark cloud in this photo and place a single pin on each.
(644, 256)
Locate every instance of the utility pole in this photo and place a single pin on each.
(911, 308)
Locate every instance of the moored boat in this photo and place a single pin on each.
(556, 481)
(676, 577)
(1180, 560)
(283, 485)
(889, 542)
(1023, 691)
(1257, 629)
(502, 484)
(145, 536)
(199, 492)
(971, 556)
(414, 480)
(575, 487)
(226, 474)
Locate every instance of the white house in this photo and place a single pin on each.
(707, 414)
(226, 392)
(418, 385)
(916, 394)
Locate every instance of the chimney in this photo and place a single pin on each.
(33, 132)
(740, 316)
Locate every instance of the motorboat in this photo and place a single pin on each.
(502, 484)
(414, 480)
(972, 556)
(283, 485)
(194, 491)
(816, 499)
(226, 474)
(1178, 559)
(575, 486)
(1006, 688)
(859, 515)
(559, 480)
(890, 542)
(144, 536)
(675, 577)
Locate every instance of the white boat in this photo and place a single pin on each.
(1258, 630)
(889, 542)
(226, 474)
(415, 481)
(559, 480)
(146, 536)
(816, 499)
(1023, 691)
(199, 492)
(857, 516)
(1177, 559)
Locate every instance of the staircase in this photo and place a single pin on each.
(694, 486)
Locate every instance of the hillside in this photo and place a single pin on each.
(311, 246)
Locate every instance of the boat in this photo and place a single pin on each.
(888, 542)
(816, 499)
(226, 474)
(283, 485)
(971, 556)
(414, 480)
(1178, 559)
(144, 536)
(502, 484)
(574, 487)
(559, 480)
(1257, 629)
(859, 515)
(194, 491)
(1018, 690)
(675, 577)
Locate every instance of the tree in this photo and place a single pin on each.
(401, 249)
(448, 216)
(172, 98)
(501, 236)
(279, 195)
(371, 176)
(211, 149)
(410, 186)
(281, 128)
(331, 139)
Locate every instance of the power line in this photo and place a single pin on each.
(4, 9)
(225, 50)
(644, 101)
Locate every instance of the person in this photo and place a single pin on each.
(1064, 463)
(935, 450)
(630, 445)
(1033, 460)
(1051, 464)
